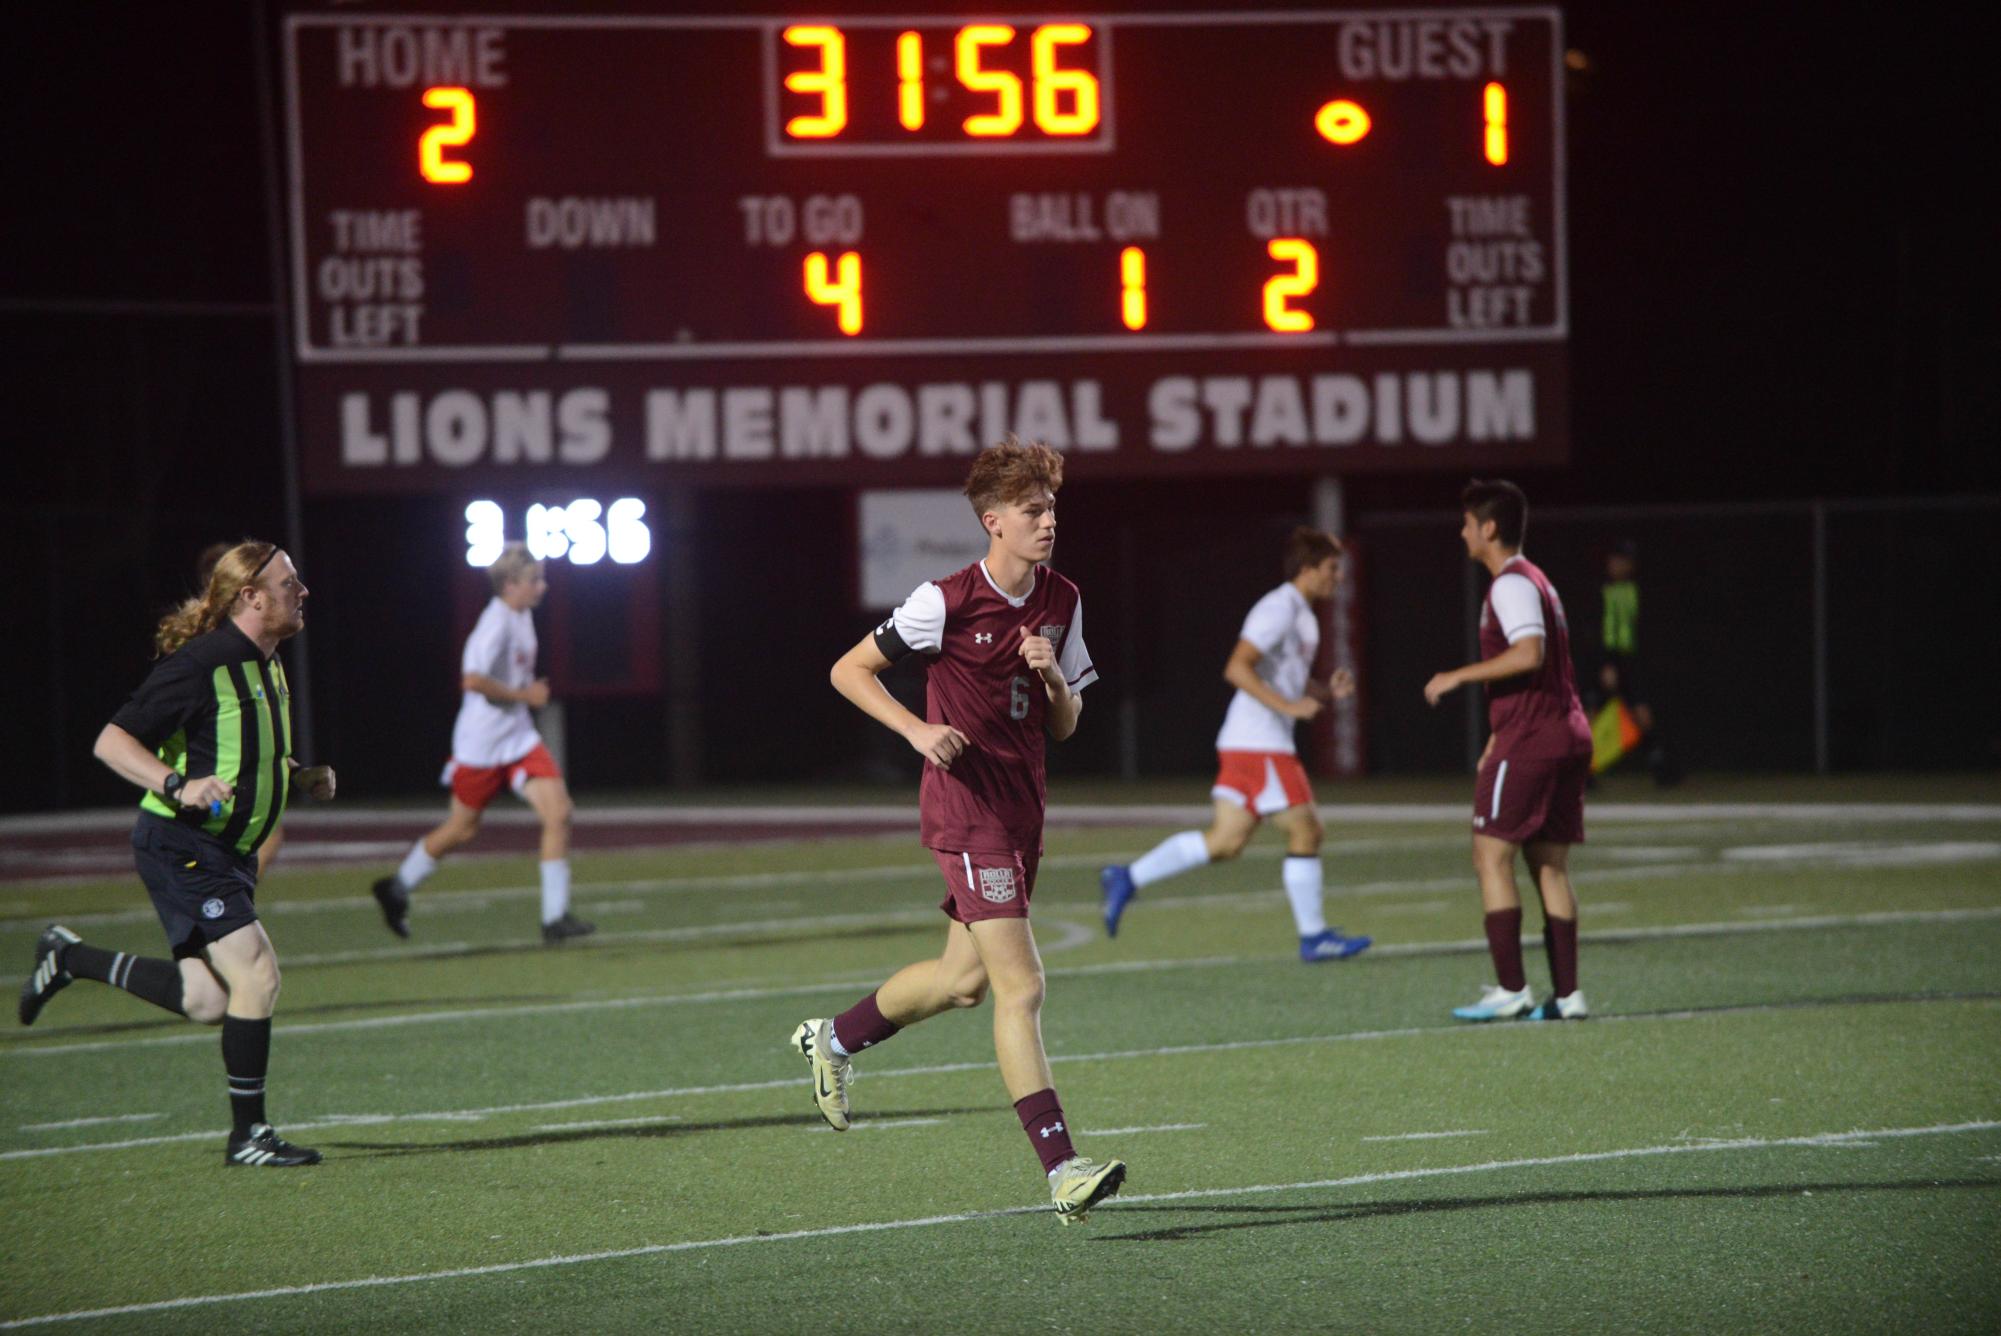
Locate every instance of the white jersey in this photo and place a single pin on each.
(1286, 631)
(502, 647)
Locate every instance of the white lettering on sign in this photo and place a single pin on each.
(883, 421)
(1495, 263)
(456, 428)
(1264, 412)
(574, 223)
(1398, 49)
(1300, 212)
(770, 426)
(403, 57)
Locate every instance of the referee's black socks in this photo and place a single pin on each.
(246, 1056)
(147, 978)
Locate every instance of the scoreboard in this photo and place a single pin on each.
(603, 250)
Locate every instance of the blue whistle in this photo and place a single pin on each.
(215, 808)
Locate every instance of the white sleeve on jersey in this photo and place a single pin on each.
(1266, 624)
(486, 648)
(920, 621)
(1519, 607)
(1073, 659)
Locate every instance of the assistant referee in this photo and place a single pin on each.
(208, 735)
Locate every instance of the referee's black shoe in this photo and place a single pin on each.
(395, 902)
(48, 977)
(557, 931)
(265, 1149)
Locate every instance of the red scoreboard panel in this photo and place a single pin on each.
(592, 248)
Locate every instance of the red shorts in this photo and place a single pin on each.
(478, 785)
(1261, 782)
(1531, 802)
(986, 886)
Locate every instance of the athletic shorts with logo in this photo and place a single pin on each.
(1261, 782)
(201, 891)
(478, 785)
(986, 885)
(1527, 801)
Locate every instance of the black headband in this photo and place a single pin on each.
(275, 549)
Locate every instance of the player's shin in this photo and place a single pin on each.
(145, 977)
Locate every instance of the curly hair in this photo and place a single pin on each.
(1012, 470)
(234, 571)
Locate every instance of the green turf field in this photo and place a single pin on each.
(1786, 1115)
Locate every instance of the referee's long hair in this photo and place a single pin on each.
(234, 571)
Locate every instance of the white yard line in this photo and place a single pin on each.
(92, 1122)
(601, 1123)
(1431, 1136)
(1157, 1127)
(1811, 1142)
(1472, 1032)
(1399, 949)
(878, 1124)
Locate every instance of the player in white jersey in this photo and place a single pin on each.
(1258, 771)
(495, 746)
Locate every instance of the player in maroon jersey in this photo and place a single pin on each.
(1530, 791)
(1004, 658)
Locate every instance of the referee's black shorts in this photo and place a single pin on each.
(201, 891)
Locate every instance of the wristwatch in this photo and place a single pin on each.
(170, 787)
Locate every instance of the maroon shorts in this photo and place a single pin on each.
(1531, 801)
(986, 886)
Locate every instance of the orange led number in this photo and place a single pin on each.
(431, 159)
(1342, 122)
(1132, 287)
(1496, 106)
(1006, 117)
(1304, 278)
(910, 81)
(844, 294)
(829, 82)
(1050, 82)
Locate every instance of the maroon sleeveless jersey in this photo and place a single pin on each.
(1534, 716)
(992, 798)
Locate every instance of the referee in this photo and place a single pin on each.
(208, 735)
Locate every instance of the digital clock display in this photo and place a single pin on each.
(817, 248)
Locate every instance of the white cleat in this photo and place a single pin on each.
(831, 1073)
(1079, 1184)
(1497, 1004)
(1569, 1007)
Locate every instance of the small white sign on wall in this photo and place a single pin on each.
(910, 536)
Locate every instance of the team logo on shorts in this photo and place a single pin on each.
(997, 884)
(212, 907)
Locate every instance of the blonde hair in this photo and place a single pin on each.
(234, 571)
(514, 563)
(1011, 471)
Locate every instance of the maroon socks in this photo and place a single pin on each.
(1559, 938)
(1042, 1118)
(864, 1025)
(1504, 943)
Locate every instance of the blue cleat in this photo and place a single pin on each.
(1119, 892)
(1497, 1004)
(1331, 945)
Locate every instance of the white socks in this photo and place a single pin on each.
(555, 889)
(417, 865)
(1302, 887)
(1171, 857)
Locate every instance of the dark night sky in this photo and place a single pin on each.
(1782, 287)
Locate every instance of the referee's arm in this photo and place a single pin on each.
(131, 759)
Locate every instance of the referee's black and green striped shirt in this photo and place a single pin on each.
(217, 706)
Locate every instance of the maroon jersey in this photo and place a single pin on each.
(992, 798)
(1533, 715)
